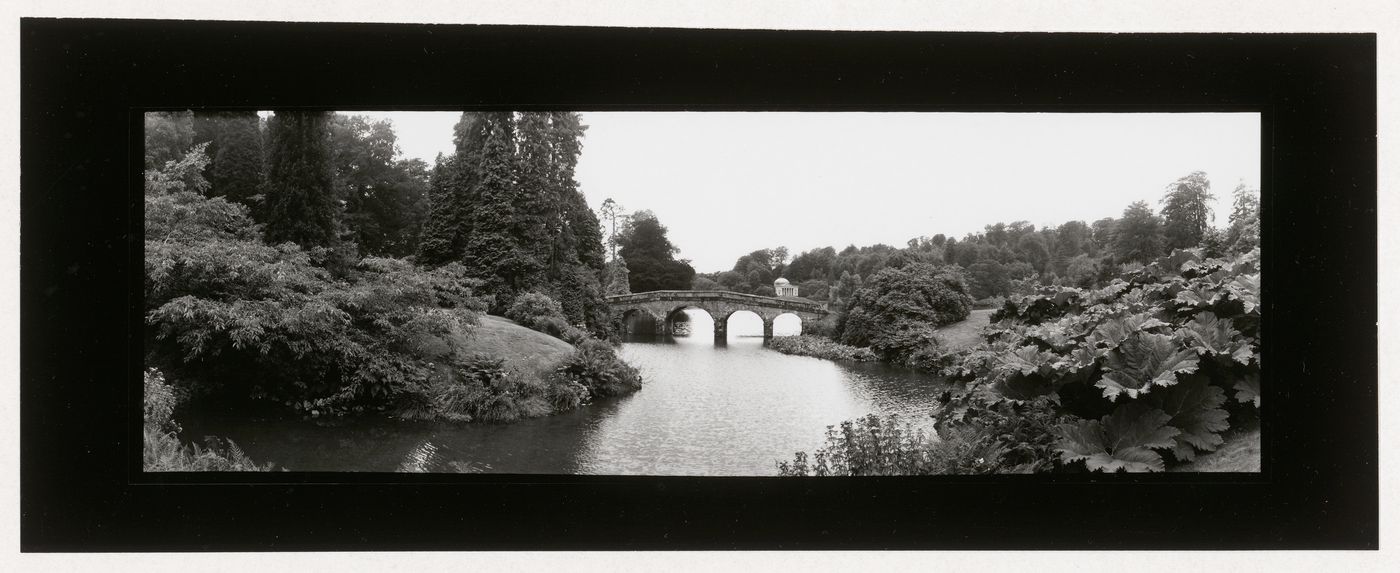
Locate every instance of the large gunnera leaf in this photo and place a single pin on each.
(1122, 440)
(1194, 407)
(1026, 360)
(1143, 361)
(1114, 331)
(1208, 334)
(1247, 389)
(1245, 288)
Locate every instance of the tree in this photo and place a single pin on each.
(301, 202)
(1032, 248)
(168, 135)
(1102, 232)
(237, 170)
(1186, 211)
(987, 279)
(1243, 234)
(1137, 236)
(452, 192)
(494, 252)
(611, 212)
(651, 256)
(1071, 240)
(385, 198)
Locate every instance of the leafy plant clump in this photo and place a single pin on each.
(887, 446)
(597, 368)
(820, 347)
(541, 313)
(1140, 374)
(483, 389)
(162, 450)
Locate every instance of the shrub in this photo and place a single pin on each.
(886, 446)
(820, 347)
(897, 311)
(480, 388)
(159, 402)
(595, 366)
(540, 313)
(533, 306)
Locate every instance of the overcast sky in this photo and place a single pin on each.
(727, 183)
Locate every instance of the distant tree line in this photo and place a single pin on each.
(994, 261)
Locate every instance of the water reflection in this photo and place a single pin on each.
(708, 408)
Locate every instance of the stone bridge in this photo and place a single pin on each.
(663, 305)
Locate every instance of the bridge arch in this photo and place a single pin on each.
(640, 320)
(720, 305)
(788, 324)
(674, 315)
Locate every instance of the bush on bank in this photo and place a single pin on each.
(820, 347)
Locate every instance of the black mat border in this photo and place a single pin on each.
(80, 283)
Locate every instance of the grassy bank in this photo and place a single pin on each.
(967, 333)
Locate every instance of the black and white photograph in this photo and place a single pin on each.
(818, 294)
(702, 293)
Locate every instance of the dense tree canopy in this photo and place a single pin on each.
(385, 198)
(1005, 258)
(1137, 236)
(651, 256)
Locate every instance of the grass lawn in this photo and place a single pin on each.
(963, 334)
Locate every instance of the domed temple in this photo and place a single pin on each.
(784, 288)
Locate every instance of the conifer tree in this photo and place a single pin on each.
(452, 190)
(301, 203)
(236, 171)
(583, 234)
(493, 252)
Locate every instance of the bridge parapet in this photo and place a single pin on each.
(696, 296)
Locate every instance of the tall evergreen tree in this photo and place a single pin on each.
(301, 202)
(494, 252)
(452, 192)
(1243, 233)
(236, 170)
(537, 197)
(581, 223)
(1186, 211)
